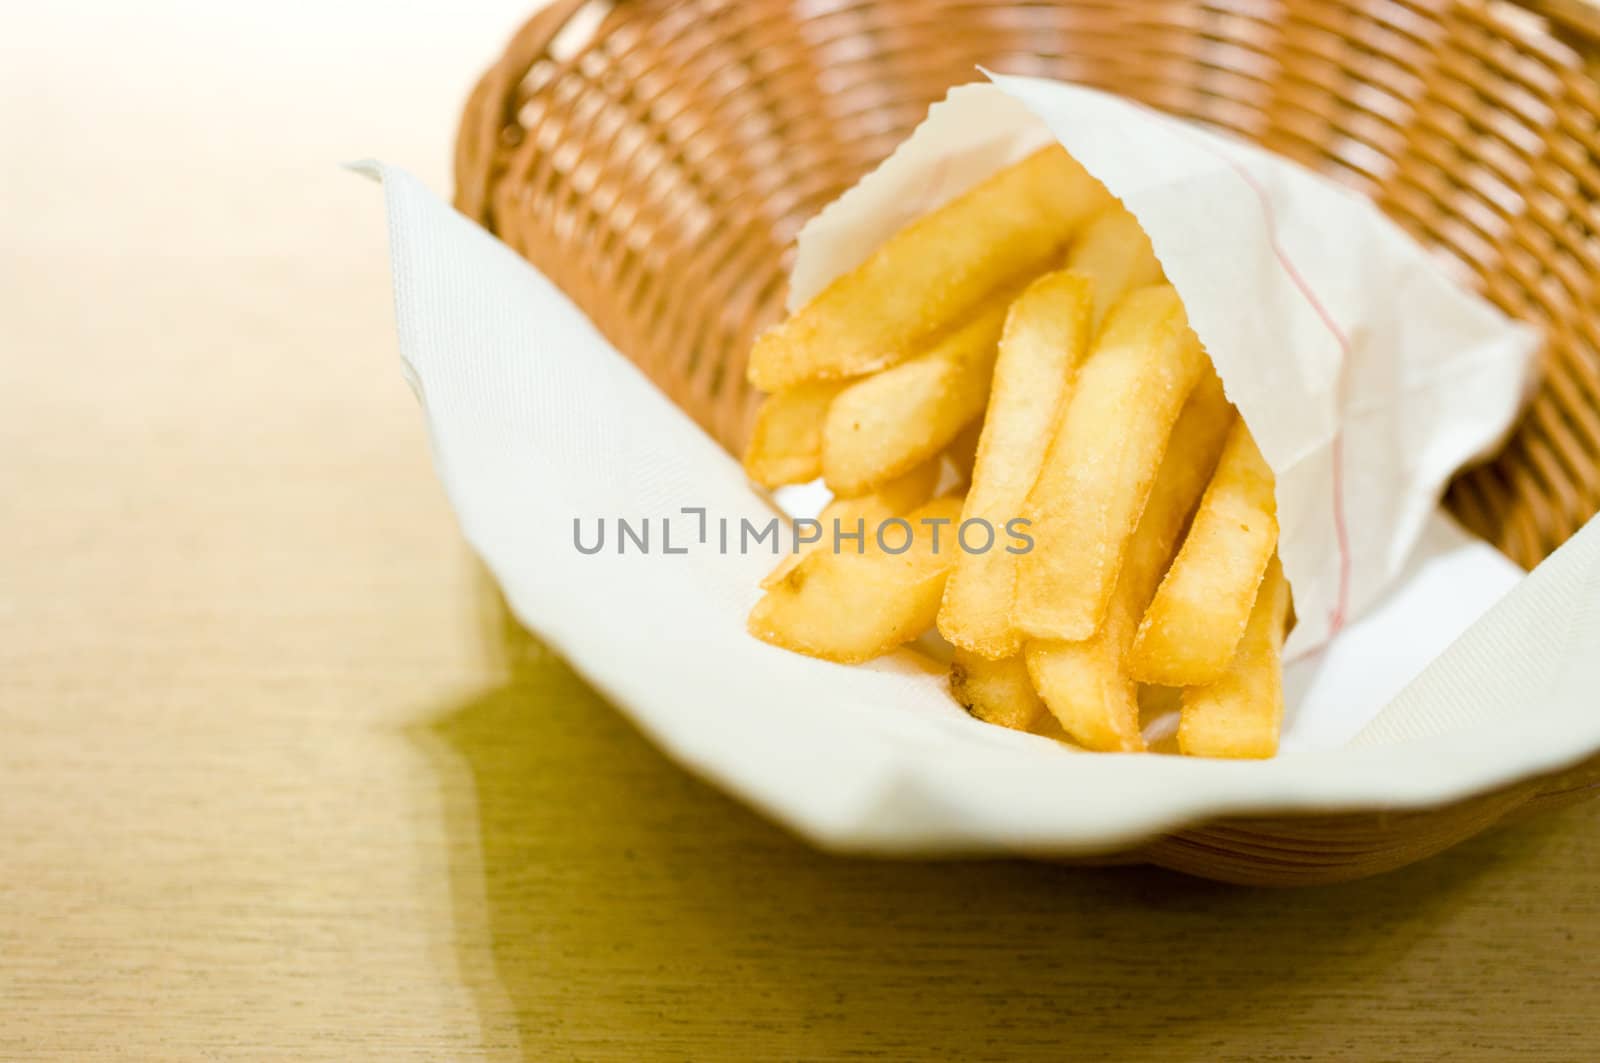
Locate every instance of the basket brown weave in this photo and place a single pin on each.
(655, 159)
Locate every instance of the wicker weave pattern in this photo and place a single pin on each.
(655, 158)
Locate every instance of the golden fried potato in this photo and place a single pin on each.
(932, 274)
(786, 444)
(881, 426)
(1101, 464)
(1113, 251)
(1046, 334)
(850, 607)
(895, 498)
(1085, 683)
(1189, 633)
(997, 692)
(1241, 714)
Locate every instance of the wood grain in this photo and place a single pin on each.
(277, 783)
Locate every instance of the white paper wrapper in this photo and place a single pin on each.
(536, 422)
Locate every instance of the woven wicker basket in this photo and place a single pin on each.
(655, 159)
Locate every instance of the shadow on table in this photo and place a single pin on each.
(609, 905)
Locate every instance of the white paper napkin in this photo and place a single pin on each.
(537, 422)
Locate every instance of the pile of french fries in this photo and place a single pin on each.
(1022, 341)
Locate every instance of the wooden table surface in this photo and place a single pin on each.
(275, 782)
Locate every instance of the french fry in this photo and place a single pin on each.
(1101, 464)
(879, 427)
(1084, 683)
(997, 692)
(1114, 252)
(786, 444)
(1198, 615)
(1086, 694)
(931, 274)
(1241, 714)
(849, 607)
(895, 498)
(1046, 333)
